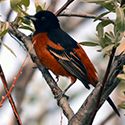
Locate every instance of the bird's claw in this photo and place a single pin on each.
(60, 95)
(57, 78)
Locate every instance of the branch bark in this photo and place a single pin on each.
(12, 103)
(82, 15)
(87, 111)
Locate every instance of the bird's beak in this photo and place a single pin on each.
(32, 18)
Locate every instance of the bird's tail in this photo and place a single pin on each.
(113, 106)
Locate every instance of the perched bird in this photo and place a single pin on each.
(60, 53)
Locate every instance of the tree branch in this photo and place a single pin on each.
(104, 81)
(85, 113)
(83, 15)
(10, 97)
(64, 7)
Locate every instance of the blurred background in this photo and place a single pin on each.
(32, 95)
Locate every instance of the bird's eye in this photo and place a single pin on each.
(43, 18)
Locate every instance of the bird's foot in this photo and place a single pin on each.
(60, 95)
(57, 78)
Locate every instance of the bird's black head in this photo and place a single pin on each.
(44, 21)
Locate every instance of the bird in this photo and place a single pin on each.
(60, 53)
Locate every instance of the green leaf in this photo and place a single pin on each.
(27, 28)
(44, 6)
(89, 43)
(3, 33)
(100, 30)
(101, 15)
(112, 34)
(25, 21)
(9, 49)
(39, 6)
(25, 2)
(14, 4)
(104, 38)
(106, 22)
(121, 76)
(108, 48)
(3, 28)
(106, 41)
(109, 5)
(122, 105)
(124, 68)
(120, 20)
(100, 27)
(109, 36)
(2, 0)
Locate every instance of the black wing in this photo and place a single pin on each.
(58, 36)
(71, 63)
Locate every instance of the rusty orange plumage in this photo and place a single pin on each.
(41, 41)
(60, 53)
(46, 58)
(92, 75)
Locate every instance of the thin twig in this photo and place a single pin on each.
(9, 15)
(10, 97)
(90, 16)
(14, 81)
(64, 7)
(104, 82)
(109, 65)
(78, 15)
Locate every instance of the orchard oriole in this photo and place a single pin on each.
(60, 53)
